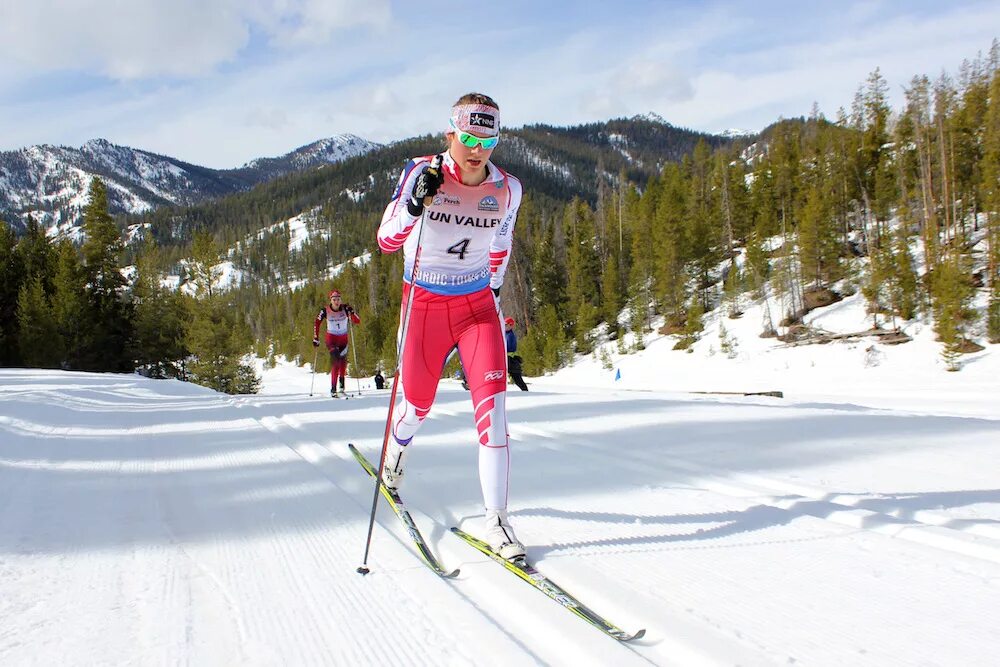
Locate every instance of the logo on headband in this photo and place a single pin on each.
(478, 119)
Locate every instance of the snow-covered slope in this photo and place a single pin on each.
(730, 356)
(51, 182)
(157, 522)
(325, 151)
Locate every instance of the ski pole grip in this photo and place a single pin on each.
(435, 169)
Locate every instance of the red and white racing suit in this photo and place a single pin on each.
(464, 249)
(337, 322)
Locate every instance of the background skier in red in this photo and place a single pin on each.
(338, 317)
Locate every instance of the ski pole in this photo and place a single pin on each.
(350, 330)
(396, 376)
(312, 382)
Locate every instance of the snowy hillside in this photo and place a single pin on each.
(851, 522)
(856, 369)
(300, 230)
(51, 182)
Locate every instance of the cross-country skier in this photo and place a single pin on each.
(513, 360)
(337, 316)
(462, 256)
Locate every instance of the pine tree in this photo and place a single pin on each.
(583, 267)
(69, 303)
(11, 277)
(218, 344)
(549, 274)
(990, 193)
(733, 290)
(611, 295)
(703, 231)
(952, 294)
(905, 297)
(671, 249)
(203, 268)
(159, 321)
(36, 256)
(106, 340)
(545, 346)
(693, 326)
(993, 318)
(36, 327)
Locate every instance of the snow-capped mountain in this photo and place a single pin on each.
(325, 151)
(736, 133)
(51, 182)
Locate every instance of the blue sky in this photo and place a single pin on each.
(219, 82)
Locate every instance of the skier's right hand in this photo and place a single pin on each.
(427, 184)
(315, 342)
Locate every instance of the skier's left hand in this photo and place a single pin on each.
(496, 302)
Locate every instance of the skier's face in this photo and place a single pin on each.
(470, 160)
(335, 301)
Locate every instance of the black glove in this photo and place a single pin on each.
(348, 310)
(426, 185)
(315, 342)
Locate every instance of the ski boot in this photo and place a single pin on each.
(500, 536)
(395, 459)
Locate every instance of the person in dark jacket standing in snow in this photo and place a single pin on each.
(513, 360)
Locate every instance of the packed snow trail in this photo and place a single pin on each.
(159, 522)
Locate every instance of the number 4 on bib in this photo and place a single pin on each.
(460, 248)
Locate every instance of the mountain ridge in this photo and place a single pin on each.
(50, 181)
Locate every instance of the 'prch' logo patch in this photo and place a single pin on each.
(445, 198)
(489, 203)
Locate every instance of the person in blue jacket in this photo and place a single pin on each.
(513, 360)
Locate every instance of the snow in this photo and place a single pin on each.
(544, 164)
(297, 229)
(332, 272)
(854, 521)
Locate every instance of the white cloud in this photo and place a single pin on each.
(722, 67)
(177, 38)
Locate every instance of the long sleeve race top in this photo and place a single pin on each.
(336, 320)
(466, 241)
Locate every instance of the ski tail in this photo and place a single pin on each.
(396, 503)
(525, 571)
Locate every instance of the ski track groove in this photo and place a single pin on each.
(309, 533)
(471, 590)
(312, 453)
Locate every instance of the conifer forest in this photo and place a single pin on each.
(901, 204)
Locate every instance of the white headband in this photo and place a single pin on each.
(479, 118)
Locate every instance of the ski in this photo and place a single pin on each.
(396, 503)
(528, 573)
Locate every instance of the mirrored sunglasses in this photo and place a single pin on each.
(471, 140)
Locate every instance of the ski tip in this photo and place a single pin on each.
(638, 635)
(364, 570)
(452, 574)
